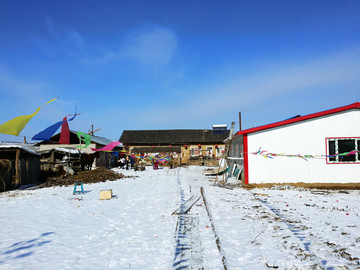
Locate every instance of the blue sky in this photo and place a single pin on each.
(175, 64)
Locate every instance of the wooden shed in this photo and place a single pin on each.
(25, 166)
(102, 159)
(50, 158)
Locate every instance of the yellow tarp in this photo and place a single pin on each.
(17, 124)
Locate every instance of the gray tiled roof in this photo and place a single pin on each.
(173, 137)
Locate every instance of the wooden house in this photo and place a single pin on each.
(23, 165)
(193, 146)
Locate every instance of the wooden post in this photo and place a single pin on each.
(28, 177)
(17, 171)
(217, 173)
(240, 121)
(52, 158)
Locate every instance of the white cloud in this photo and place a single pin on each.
(154, 46)
(65, 38)
(274, 81)
(12, 85)
(282, 78)
(149, 46)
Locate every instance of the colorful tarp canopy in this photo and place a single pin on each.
(47, 133)
(86, 139)
(108, 147)
(65, 132)
(161, 159)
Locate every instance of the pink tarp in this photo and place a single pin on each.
(108, 147)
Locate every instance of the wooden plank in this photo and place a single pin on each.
(17, 166)
(261, 194)
(216, 173)
(187, 205)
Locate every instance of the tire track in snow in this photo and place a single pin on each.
(217, 239)
(188, 253)
(306, 243)
(181, 258)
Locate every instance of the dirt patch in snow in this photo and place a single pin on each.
(100, 174)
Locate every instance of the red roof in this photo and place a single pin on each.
(355, 105)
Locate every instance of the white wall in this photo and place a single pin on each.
(305, 138)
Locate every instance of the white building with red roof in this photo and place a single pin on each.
(317, 148)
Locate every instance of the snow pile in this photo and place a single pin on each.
(51, 228)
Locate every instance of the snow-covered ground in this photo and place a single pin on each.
(51, 228)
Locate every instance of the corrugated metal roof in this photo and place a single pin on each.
(99, 140)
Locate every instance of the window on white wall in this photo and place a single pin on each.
(338, 146)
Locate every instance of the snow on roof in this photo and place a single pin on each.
(63, 150)
(223, 125)
(19, 147)
(68, 150)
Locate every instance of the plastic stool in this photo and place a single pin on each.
(78, 184)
